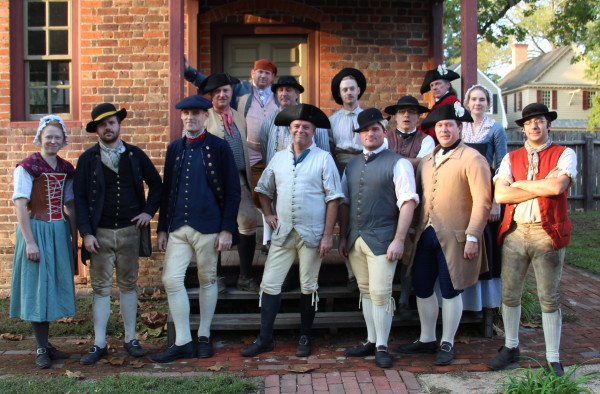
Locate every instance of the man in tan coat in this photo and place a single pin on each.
(455, 189)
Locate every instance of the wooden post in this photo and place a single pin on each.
(437, 25)
(468, 53)
(587, 172)
(176, 93)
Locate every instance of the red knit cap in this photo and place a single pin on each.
(264, 64)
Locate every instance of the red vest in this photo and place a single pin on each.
(553, 209)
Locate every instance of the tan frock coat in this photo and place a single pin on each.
(456, 196)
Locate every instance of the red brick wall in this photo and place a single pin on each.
(124, 60)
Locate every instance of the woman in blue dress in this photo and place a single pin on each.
(42, 288)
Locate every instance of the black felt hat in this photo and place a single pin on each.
(194, 102)
(406, 101)
(367, 117)
(306, 112)
(361, 81)
(287, 80)
(215, 81)
(536, 109)
(103, 111)
(444, 112)
(441, 72)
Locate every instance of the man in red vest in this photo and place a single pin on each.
(532, 181)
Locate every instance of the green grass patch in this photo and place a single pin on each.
(222, 384)
(584, 249)
(538, 380)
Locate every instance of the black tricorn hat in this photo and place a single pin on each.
(444, 112)
(287, 80)
(361, 81)
(306, 112)
(103, 111)
(216, 81)
(536, 109)
(406, 101)
(367, 117)
(441, 72)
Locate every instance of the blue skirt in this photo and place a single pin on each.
(44, 291)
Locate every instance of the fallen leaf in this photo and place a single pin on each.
(154, 319)
(74, 374)
(116, 360)
(141, 336)
(498, 330)
(155, 332)
(531, 325)
(301, 368)
(136, 364)
(70, 320)
(216, 368)
(157, 294)
(81, 342)
(12, 337)
(248, 340)
(463, 340)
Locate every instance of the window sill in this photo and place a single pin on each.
(26, 124)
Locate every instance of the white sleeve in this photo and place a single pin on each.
(404, 182)
(427, 146)
(23, 183)
(567, 163)
(505, 170)
(345, 188)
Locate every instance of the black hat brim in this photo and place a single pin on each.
(550, 115)
(444, 112)
(361, 81)
(392, 109)
(305, 112)
(215, 81)
(434, 75)
(120, 114)
(296, 86)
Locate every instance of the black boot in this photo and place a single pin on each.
(246, 249)
(268, 312)
(307, 316)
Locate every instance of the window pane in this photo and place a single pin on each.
(59, 42)
(38, 101)
(36, 42)
(59, 14)
(36, 14)
(60, 101)
(38, 73)
(60, 72)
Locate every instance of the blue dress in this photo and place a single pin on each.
(44, 291)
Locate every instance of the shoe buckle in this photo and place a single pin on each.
(303, 340)
(41, 350)
(445, 347)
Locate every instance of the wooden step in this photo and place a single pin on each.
(324, 292)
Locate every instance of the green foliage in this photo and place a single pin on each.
(584, 249)
(539, 380)
(129, 384)
(531, 310)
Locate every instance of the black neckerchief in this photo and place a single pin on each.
(405, 135)
(448, 149)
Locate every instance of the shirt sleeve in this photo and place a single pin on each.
(23, 183)
(331, 179)
(427, 146)
(345, 188)
(567, 163)
(404, 183)
(505, 170)
(266, 183)
(69, 195)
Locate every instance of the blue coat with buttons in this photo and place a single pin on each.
(89, 187)
(222, 176)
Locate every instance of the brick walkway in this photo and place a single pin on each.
(328, 370)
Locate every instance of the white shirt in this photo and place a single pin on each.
(529, 211)
(23, 184)
(342, 124)
(404, 180)
(427, 145)
(303, 192)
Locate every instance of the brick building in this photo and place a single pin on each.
(65, 57)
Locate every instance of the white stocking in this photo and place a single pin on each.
(101, 313)
(428, 312)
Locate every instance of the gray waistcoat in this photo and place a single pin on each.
(373, 210)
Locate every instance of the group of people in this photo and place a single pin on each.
(419, 194)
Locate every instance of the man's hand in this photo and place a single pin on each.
(325, 245)
(494, 213)
(471, 250)
(272, 220)
(162, 240)
(142, 220)
(342, 248)
(91, 244)
(33, 252)
(223, 241)
(396, 250)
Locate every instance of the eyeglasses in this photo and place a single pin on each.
(536, 122)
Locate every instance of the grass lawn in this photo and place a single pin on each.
(129, 384)
(584, 249)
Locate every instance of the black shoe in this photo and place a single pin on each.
(95, 353)
(174, 353)
(504, 358)
(42, 358)
(247, 284)
(264, 250)
(134, 348)
(257, 347)
(56, 354)
(365, 349)
(445, 354)
(418, 347)
(382, 357)
(204, 348)
(352, 284)
(304, 346)
(555, 368)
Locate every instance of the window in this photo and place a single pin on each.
(47, 58)
(518, 101)
(588, 99)
(44, 59)
(546, 98)
(505, 98)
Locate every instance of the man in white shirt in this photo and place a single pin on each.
(307, 186)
